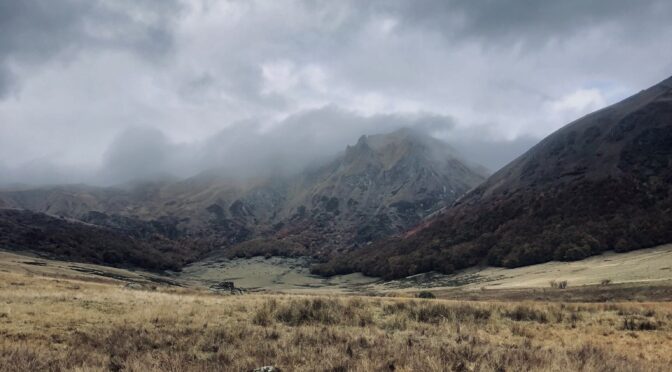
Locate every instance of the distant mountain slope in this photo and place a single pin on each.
(22, 230)
(381, 186)
(602, 182)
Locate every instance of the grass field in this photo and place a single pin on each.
(53, 321)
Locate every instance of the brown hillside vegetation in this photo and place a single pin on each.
(55, 324)
(603, 182)
(22, 230)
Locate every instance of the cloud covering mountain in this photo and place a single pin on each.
(175, 82)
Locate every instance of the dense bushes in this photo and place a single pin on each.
(266, 247)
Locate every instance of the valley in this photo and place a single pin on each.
(335, 186)
(61, 316)
(637, 269)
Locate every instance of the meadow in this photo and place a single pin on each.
(61, 323)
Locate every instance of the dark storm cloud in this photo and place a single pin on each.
(33, 32)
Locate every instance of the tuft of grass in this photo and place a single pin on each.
(527, 313)
(324, 311)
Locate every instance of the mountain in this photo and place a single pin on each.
(381, 186)
(603, 182)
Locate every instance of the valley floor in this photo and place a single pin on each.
(651, 266)
(645, 268)
(61, 316)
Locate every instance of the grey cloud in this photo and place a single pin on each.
(494, 153)
(44, 172)
(522, 67)
(306, 139)
(138, 152)
(33, 32)
(527, 21)
(246, 149)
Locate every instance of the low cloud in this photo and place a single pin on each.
(255, 149)
(252, 148)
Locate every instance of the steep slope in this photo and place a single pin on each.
(381, 186)
(603, 182)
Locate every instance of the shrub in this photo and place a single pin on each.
(633, 324)
(262, 316)
(426, 294)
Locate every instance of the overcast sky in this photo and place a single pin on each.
(105, 91)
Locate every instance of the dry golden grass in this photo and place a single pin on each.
(53, 324)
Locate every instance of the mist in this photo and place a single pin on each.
(252, 149)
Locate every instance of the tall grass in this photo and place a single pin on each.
(50, 325)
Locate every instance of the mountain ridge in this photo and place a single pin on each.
(377, 187)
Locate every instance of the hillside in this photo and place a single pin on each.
(378, 187)
(49, 236)
(603, 182)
